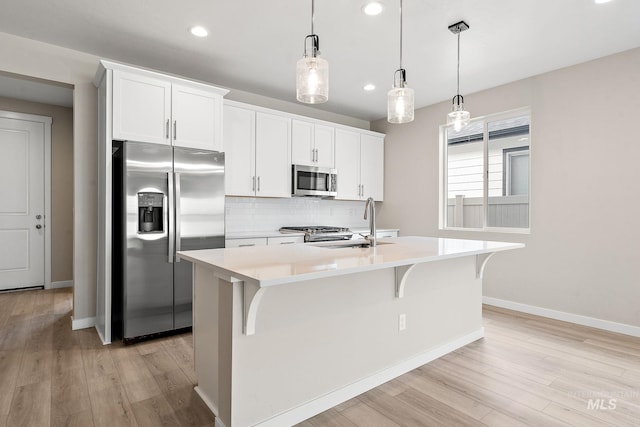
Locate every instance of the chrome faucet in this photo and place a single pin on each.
(371, 208)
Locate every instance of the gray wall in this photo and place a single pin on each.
(583, 251)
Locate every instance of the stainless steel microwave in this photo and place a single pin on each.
(313, 181)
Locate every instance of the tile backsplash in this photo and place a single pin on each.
(265, 214)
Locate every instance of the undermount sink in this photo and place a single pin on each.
(350, 244)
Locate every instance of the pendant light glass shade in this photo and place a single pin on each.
(312, 78)
(312, 71)
(458, 117)
(401, 98)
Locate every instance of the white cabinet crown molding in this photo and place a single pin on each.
(105, 65)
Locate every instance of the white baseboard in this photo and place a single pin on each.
(62, 284)
(578, 319)
(321, 404)
(87, 322)
(210, 405)
(104, 342)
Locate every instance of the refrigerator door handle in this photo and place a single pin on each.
(171, 236)
(177, 214)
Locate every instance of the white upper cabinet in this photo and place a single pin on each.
(312, 144)
(240, 145)
(273, 159)
(372, 166)
(141, 108)
(360, 165)
(324, 138)
(196, 115)
(348, 164)
(302, 145)
(257, 153)
(262, 144)
(151, 107)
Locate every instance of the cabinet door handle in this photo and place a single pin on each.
(287, 243)
(362, 190)
(258, 184)
(167, 130)
(253, 185)
(246, 245)
(315, 155)
(175, 130)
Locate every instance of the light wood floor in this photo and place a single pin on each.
(526, 371)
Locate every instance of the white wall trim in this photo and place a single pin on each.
(321, 404)
(102, 338)
(62, 284)
(210, 405)
(87, 322)
(578, 319)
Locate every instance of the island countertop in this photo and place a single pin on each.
(276, 265)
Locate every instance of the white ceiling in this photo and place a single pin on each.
(253, 45)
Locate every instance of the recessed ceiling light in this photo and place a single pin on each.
(602, 1)
(369, 87)
(372, 8)
(199, 31)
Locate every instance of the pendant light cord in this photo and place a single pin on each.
(400, 34)
(313, 14)
(458, 83)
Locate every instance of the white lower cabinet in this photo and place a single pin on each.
(239, 243)
(263, 241)
(360, 165)
(286, 240)
(383, 234)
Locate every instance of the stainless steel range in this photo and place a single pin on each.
(320, 233)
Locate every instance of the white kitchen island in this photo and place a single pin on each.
(282, 333)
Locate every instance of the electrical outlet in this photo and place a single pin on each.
(402, 322)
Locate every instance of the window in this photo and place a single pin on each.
(485, 173)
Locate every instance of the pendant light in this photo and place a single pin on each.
(400, 99)
(312, 72)
(458, 116)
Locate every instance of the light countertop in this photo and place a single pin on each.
(275, 265)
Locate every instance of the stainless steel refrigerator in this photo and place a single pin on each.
(165, 199)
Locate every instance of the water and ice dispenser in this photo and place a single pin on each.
(150, 212)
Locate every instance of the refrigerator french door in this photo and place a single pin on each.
(166, 199)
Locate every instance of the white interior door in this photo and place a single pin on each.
(22, 203)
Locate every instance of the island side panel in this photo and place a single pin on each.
(321, 336)
(209, 353)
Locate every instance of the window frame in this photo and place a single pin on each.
(443, 175)
(507, 157)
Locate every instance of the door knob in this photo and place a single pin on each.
(38, 216)
(38, 226)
